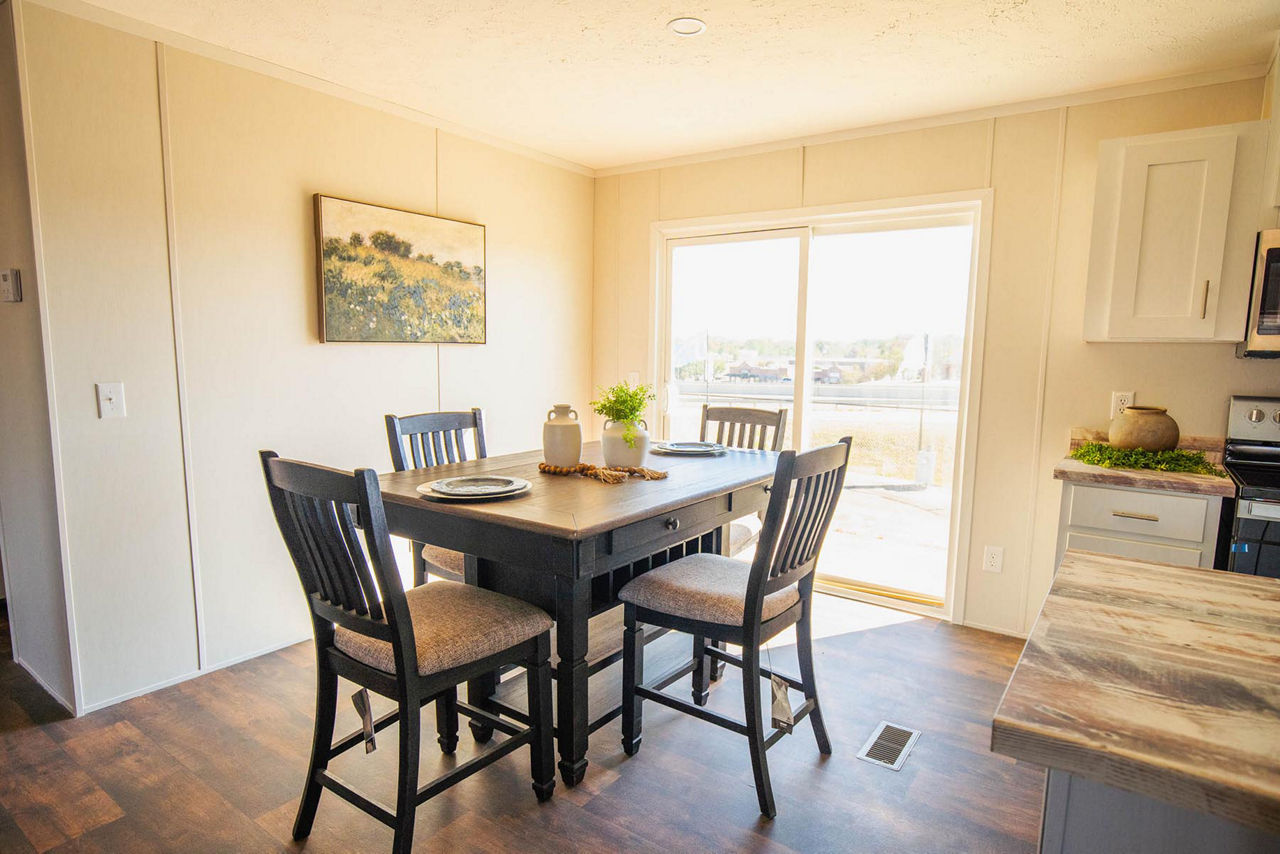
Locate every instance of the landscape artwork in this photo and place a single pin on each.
(389, 275)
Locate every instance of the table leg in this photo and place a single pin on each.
(573, 607)
(481, 689)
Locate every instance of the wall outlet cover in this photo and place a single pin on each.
(1119, 400)
(993, 559)
(10, 286)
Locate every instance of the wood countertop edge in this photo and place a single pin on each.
(1074, 471)
(1203, 792)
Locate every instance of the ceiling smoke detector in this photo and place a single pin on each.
(687, 26)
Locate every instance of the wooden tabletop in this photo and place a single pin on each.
(575, 507)
(1199, 484)
(1157, 679)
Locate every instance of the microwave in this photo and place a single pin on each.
(1262, 338)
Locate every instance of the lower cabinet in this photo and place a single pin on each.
(1165, 527)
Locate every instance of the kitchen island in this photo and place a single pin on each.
(1152, 695)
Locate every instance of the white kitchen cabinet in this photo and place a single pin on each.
(1175, 216)
(1157, 525)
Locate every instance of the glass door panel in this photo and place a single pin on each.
(887, 312)
(733, 304)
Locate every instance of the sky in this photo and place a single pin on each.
(446, 239)
(861, 285)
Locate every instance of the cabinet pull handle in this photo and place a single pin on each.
(1204, 306)
(1145, 517)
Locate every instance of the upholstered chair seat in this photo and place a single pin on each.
(704, 587)
(444, 563)
(453, 624)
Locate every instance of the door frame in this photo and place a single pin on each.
(973, 207)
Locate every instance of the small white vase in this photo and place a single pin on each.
(615, 448)
(562, 437)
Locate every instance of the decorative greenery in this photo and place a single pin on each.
(1101, 454)
(624, 404)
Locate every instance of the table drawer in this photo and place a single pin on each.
(1171, 517)
(670, 526)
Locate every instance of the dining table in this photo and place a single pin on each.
(570, 543)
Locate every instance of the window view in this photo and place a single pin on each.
(884, 328)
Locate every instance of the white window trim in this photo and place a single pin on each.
(972, 207)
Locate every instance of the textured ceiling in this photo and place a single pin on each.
(604, 83)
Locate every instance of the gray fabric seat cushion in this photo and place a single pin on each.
(744, 533)
(453, 624)
(445, 563)
(706, 587)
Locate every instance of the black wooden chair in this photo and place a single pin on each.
(413, 647)
(741, 427)
(729, 601)
(432, 439)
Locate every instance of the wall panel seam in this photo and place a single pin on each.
(46, 333)
(1046, 323)
(179, 354)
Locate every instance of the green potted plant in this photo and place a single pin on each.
(625, 439)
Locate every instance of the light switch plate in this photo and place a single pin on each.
(110, 399)
(10, 286)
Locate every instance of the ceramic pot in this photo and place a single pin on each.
(1147, 427)
(562, 437)
(616, 450)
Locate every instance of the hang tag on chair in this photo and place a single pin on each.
(360, 700)
(781, 705)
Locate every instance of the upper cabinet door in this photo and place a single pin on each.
(1174, 220)
(1170, 233)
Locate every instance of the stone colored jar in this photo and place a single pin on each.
(1147, 427)
(562, 437)
(614, 445)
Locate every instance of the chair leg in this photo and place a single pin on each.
(447, 720)
(703, 667)
(804, 651)
(542, 754)
(717, 666)
(407, 776)
(632, 675)
(755, 728)
(419, 566)
(321, 743)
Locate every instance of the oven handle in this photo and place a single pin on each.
(1260, 510)
(1253, 454)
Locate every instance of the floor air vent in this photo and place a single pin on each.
(889, 745)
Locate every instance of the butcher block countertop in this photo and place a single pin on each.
(1173, 481)
(1156, 679)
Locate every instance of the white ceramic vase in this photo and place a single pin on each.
(614, 444)
(562, 437)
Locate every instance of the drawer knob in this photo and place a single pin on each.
(672, 523)
(1145, 517)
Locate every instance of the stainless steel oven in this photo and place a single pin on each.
(1252, 459)
(1262, 339)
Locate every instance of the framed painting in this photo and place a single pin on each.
(390, 275)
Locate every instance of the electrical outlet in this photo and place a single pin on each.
(110, 399)
(1119, 400)
(993, 558)
(10, 286)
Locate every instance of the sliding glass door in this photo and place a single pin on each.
(859, 328)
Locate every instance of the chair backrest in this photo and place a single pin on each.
(313, 509)
(433, 438)
(740, 427)
(805, 492)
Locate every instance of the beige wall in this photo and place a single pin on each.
(28, 514)
(236, 343)
(1039, 379)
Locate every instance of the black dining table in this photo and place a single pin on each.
(571, 542)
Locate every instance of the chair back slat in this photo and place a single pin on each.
(349, 580)
(434, 438)
(806, 489)
(741, 427)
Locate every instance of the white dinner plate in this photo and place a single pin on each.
(427, 492)
(477, 486)
(689, 449)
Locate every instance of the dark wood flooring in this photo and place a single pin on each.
(216, 764)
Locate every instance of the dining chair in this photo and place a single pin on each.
(431, 439)
(741, 427)
(413, 647)
(729, 601)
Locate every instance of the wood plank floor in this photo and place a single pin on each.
(216, 764)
